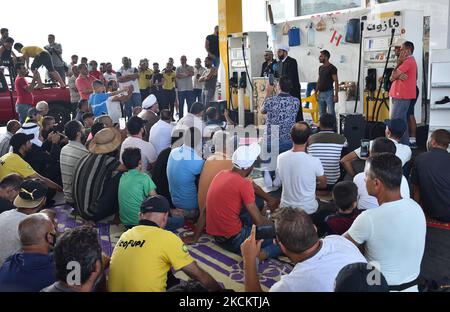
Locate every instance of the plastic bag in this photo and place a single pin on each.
(285, 29)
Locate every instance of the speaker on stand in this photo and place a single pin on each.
(353, 127)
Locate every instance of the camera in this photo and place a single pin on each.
(266, 231)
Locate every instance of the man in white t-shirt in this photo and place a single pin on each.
(393, 235)
(317, 261)
(394, 132)
(129, 76)
(113, 103)
(161, 132)
(135, 127)
(109, 74)
(300, 174)
(365, 201)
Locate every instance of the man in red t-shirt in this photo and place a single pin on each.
(24, 91)
(84, 82)
(403, 88)
(229, 192)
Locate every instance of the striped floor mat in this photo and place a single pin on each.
(225, 267)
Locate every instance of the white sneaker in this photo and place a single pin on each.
(267, 180)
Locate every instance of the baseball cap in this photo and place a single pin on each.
(20, 139)
(398, 43)
(245, 156)
(33, 111)
(31, 194)
(360, 277)
(396, 126)
(156, 203)
(149, 101)
(41, 106)
(283, 47)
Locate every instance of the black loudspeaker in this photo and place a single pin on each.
(352, 126)
(422, 136)
(353, 31)
(249, 117)
(219, 105)
(371, 80)
(374, 129)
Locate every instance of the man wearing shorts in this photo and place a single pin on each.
(41, 58)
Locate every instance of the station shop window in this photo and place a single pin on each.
(311, 7)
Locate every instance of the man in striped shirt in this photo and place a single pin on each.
(96, 177)
(70, 156)
(327, 146)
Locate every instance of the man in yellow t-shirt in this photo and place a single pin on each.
(144, 254)
(169, 94)
(14, 163)
(40, 58)
(145, 78)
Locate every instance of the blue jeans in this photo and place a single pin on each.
(174, 223)
(183, 96)
(134, 101)
(22, 110)
(270, 249)
(197, 95)
(326, 101)
(310, 86)
(399, 110)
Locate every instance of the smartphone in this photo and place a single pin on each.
(271, 79)
(365, 145)
(265, 231)
(122, 123)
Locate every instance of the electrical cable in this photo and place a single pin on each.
(383, 77)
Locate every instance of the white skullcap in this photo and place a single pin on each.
(283, 47)
(149, 101)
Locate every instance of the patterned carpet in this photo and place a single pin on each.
(225, 267)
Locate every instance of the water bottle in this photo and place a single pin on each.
(311, 35)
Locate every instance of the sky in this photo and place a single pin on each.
(109, 30)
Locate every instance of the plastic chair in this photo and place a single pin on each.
(314, 110)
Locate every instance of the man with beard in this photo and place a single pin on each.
(288, 67)
(71, 155)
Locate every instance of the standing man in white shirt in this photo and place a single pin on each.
(198, 86)
(127, 76)
(317, 261)
(161, 132)
(185, 86)
(393, 235)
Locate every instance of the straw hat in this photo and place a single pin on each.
(105, 141)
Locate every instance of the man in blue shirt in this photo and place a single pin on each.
(97, 100)
(32, 269)
(183, 169)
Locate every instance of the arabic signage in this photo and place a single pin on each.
(378, 27)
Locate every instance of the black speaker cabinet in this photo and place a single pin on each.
(249, 117)
(352, 126)
(220, 106)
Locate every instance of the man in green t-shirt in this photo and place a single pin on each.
(134, 187)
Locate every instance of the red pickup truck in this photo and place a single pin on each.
(57, 98)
